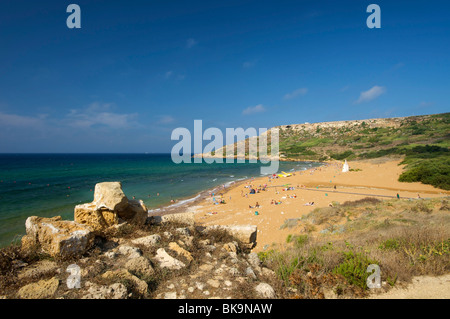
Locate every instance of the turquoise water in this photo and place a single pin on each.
(52, 184)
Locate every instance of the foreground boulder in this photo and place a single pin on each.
(109, 208)
(245, 233)
(40, 290)
(57, 237)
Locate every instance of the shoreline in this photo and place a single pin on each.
(371, 178)
(190, 202)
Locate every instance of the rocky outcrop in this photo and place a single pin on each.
(245, 233)
(167, 261)
(109, 208)
(121, 265)
(42, 289)
(187, 218)
(57, 237)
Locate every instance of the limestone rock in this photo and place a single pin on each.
(109, 195)
(147, 241)
(184, 231)
(253, 259)
(181, 251)
(58, 237)
(183, 218)
(140, 265)
(131, 252)
(250, 273)
(97, 218)
(123, 274)
(135, 213)
(42, 289)
(114, 291)
(245, 233)
(167, 261)
(38, 269)
(265, 290)
(231, 247)
(109, 208)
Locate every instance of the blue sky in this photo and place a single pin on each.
(138, 69)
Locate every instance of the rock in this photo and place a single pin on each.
(109, 195)
(114, 291)
(131, 252)
(110, 255)
(199, 285)
(184, 231)
(97, 218)
(122, 274)
(42, 289)
(109, 208)
(140, 265)
(253, 259)
(250, 273)
(231, 247)
(181, 251)
(170, 295)
(38, 269)
(148, 241)
(183, 218)
(167, 261)
(213, 283)
(245, 233)
(233, 271)
(204, 242)
(265, 290)
(266, 272)
(206, 267)
(136, 213)
(168, 235)
(58, 237)
(188, 241)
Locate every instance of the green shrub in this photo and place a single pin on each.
(435, 172)
(389, 244)
(354, 268)
(343, 155)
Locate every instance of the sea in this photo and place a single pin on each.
(48, 185)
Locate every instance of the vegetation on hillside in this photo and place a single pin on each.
(333, 246)
(422, 141)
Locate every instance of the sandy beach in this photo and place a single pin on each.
(322, 186)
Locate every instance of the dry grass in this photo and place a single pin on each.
(405, 238)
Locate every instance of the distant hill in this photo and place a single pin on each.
(423, 141)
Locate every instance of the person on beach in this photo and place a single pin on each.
(398, 196)
(257, 205)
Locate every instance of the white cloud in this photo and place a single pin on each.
(190, 43)
(298, 92)
(166, 119)
(100, 114)
(255, 109)
(20, 121)
(371, 94)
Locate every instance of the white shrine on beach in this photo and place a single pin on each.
(345, 168)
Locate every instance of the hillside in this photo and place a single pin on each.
(423, 141)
